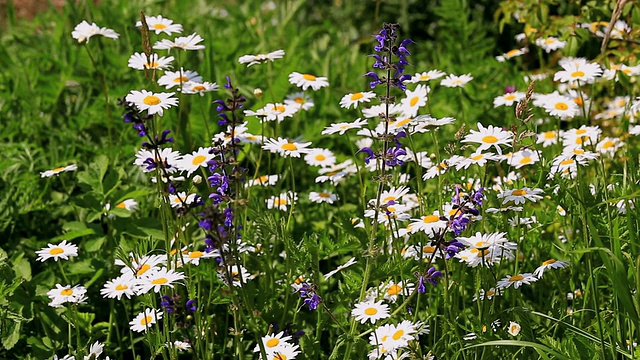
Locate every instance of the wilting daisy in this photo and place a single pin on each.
(320, 157)
(281, 201)
(139, 61)
(157, 279)
(340, 268)
(518, 196)
(323, 197)
(286, 147)
(95, 350)
(511, 54)
(300, 100)
(508, 99)
(125, 284)
(260, 58)
(144, 320)
(239, 275)
(307, 80)
(161, 25)
(176, 78)
(66, 294)
(516, 281)
(488, 294)
(193, 87)
(370, 311)
(427, 76)
(63, 250)
(414, 100)
(84, 31)
(184, 42)
(155, 103)
(56, 171)
(488, 137)
(195, 160)
(342, 127)
(577, 69)
(355, 99)
(550, 264)
(179, 345)
(456, 81)
(550, 44)
(514, 328)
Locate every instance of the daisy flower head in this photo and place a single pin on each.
(165, 157)
(307, 80)
(511, 54)
(486, 294)
(181, 199)
(286, 351)
(143, 321)
(490, 136)
(56, 171)
(355, 99)
(561, 106)
(523, 157)
(195, 160)
(157, 279)
(286, 147)
(191, 42)
(125, 284)
(609, 146)
(456, 81)
(154, 103)
(140, 61)
(273, 342)
(193, 87)
(477, 158)
(427, 76)
(84, 31)
(508, 99)
(550, 264)
(340, 268)
(281, 201)
(177, 78)
(547, 138)
(63, 250)
(514, 328)
(392, 290)
(519, 196)
(324, 196)
(300, 100)
(264, 180)
(161, 25)
(429, 224)
(342, 127)
(516, 281)
(193, 257)
(261, 58)
(414, 100)
(239, 275)
(370, 311)
(577, 69)
(320, 157)
(276, 111)
(95, 350)
(67, 294)
(550, 44)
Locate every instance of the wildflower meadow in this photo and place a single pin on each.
(438, 179)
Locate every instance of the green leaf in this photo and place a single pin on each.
(73, 235)
(94, 245)
(123, 213)
(11, 334)
(22, 267)
(540, 348)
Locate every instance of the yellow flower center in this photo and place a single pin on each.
(198, 88)
(122, 205)
(578, 101)
(272, 342)
(159, 26)
(482, 244)
(388, 198)
(477, 157)
(425, 77)
(356, 96)
(299, 100)
(608, 144)
(510, 97)
(197, 160)
(550, 135)
(394, 289)
(566, 162)
(513, 52)
(143, 269)
(57, 170)
(309, 77)
(550, 41)
(402, 122)
(66, 292)
(262, 179)
(581, 131)
(195, 254)
(160, 281)
(320, 157)
(490, 139)
(289, 147)
(398, 334)
(279, 108)
(151, 100)
(180, 79)
(414, 101)
(121, 287)
(526, 160)
(279, 356)
(56, 251)
(371, 311)
(152, 65)
(431, 218)
(278, 202)
(561, 106)
(428, 249)
(577, 74)
(490, 293)
(549, 262)
(146, 320)
(482, 253)
(324, 195)
(519, 192)
(516, 278)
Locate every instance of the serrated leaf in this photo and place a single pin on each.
(11, 334)
(22, 267)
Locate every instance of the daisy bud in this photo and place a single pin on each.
(197, 179)
(257, 92)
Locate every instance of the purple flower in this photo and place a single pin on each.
(369, 152)
(308, 293)
(429, 277)
(191, 305)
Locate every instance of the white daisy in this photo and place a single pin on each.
(488, 137)
(190, 42)
(125, 284)
(320, 157)
(161, 25)
(63, 250)
(195, 160)
(307, 80)
(56, 171)
(67, 294)
(193, 87)
(157, 279)
(456, 81)
(300, 100)
(176, 78)
(550, 44)
(143, 321)
(154, 103)
(508, 99)
(139, 61)
(260, 58)
(511, 54)
(518, 196)
(342, 127)
(281, 201)
(414, 100)
(340, 268)
(286, 147)
(370, 311)
(550, 264)
(264, 180)
(427, 76)
(516, 281)
(84, 31)
(355, 99)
